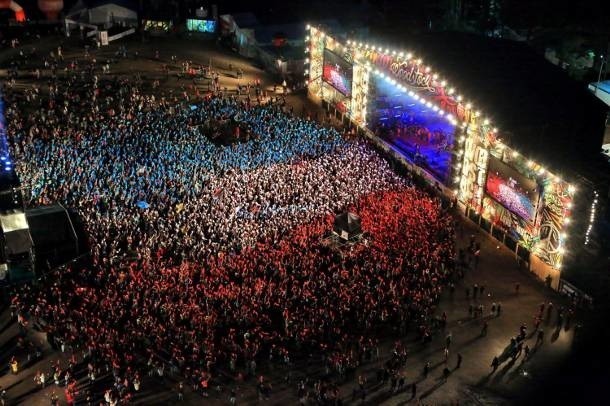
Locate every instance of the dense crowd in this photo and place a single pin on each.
(229, 264)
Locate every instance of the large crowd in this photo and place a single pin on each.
(207, 257)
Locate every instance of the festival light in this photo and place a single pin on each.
(591, 218)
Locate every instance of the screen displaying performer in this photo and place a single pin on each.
(201, 25)
(337, 72)
(516, 192)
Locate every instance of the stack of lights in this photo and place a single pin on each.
(591, 218)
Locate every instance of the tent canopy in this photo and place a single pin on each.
(347, 225)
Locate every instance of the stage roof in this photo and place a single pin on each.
(538, 109)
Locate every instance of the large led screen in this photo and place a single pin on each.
(511, 189)
(337, 72)
(201, 25)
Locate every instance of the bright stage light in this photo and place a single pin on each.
(571, 188)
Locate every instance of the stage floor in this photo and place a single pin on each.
(436, 158)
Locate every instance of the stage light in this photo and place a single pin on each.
(308, 26)
(486, 121)
(515, 154)
(456, 179)
(444, 83)
(571, 189)
(401, 54)
(386, 51)
(435, 76)
(468, 105)
(427, 69)
(393, 52)
(451, 90)
(566, 220)
(541, 170)
(418, 61)
(307, 38)
(530, 164)
(306, 61)
(459, 98)
(409, 55)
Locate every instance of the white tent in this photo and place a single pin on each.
(106, 13)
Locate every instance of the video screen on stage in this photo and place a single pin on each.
(511, 189)
(337, 72)
(201, 25)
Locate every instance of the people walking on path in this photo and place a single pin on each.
(495, 363)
